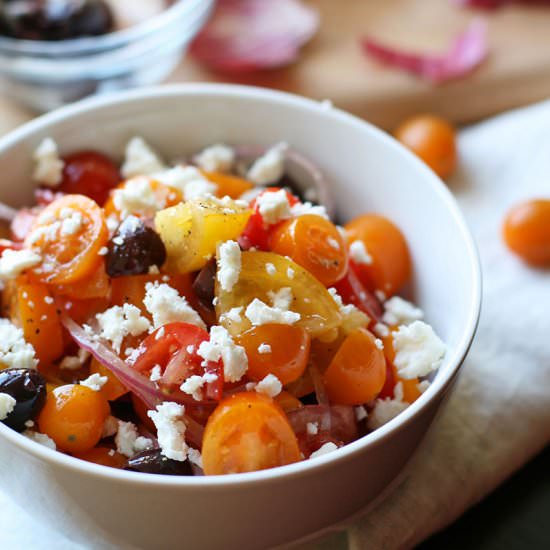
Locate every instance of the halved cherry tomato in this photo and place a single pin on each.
(81, 311)
(68, 254)
(228, 185)
(287, 356)
(113, 388)
(73, 417)
(247, 432)
(357, 372)
(391, 262)
(104, 456)
(288, 402)
(97, 285)
(89, 173)
(314, 243)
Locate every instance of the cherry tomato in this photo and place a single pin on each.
(314, 243)
(288, 402)
(73, 417)
(357, 372)
(68, 255)
(391, 262)
(228, 185)
(433, 140)
(247, 432)
(97, 285)
(287, 356)
(113, 388)
(103, 456)
(527, 231)
(90, 174)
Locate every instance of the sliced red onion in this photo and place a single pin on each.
(467, 52)
(343, 424)
(246, 35)
(319, 386)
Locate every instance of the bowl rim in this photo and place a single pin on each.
(317, 465)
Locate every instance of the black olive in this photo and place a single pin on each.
(54, 19)
(28, 388)
(134, 249)
(153, 462)
(204, 283)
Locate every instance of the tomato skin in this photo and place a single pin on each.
(248, 432)
(228, 185)
(96, 286)
(89, 173)
(103, 456)
(113, 388)
(526, 231)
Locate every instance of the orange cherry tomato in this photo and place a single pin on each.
(248, 432)
(31, 307)
(288, 351)
(358, 370)
(103, 456)
(527, 231)
(73, 417)
(68, 253)
(97, 285)
(433, 140)
(391, 261)
(113, 388)
(228, 185)
(288, 402)
(314, 243)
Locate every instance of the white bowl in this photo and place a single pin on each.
(370, 172)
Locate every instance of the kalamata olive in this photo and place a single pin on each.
(134, 249)
(28, 388)
(54, 19)
(153, 462)
(204, 282)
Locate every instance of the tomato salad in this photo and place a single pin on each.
(203, 317)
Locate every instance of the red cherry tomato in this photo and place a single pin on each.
(91, 174)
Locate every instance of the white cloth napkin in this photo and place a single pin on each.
(499, 414)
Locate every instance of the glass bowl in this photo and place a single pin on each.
(45, 75)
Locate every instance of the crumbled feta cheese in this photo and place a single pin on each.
(249, 386)
(290, 273)
(140, 159)
(281, 298)
(48, 169)
(274, 206)
(379, 344)
(7, 404)
(190, 348)
(324, 449)
(14, 351)
(72, 221)
(14, 262)
(386, 409)
(358, 253)
(301, 209)
(352, 317)
(142, 444)
(312, 428)
(118, 322)
(400, 312)
(110, 427)
(153, 270)
(418, 350)
(125, 438)
(160, 333)
(270, 386)
(221, 346)
(168, 419)
(270, 268)
(188, 181)
(259, 313)
(193, 386)
(233, 315)
(137, 197)
(194, 457)
(360, 413)
(95, 381)
(264, 348)
(42, 439)
(270, 167)
(74, 362)
(103, 251)
(48, 300)
(216, 158)
(423, 385)
(156, 373)
(229, 264)
(381, 330)
(29, 423)
(166, 306)
(381, 295)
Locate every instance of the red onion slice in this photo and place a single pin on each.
(341, 418)
(467, 52)
(246, 35)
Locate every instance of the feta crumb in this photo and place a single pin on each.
(156, 373)
(42, 439)
(381, 330)
(95, 381)
(352, 317)
(221, 346)
(401, 312)
(264, 348)
(103, 251)
(153, 270)
(270, 167)
(142, 444)
(110, 427)
(160, 333)
(360, 413)
(118, 322)
(270, 386)
(301, 209)
(14, 351)
(358, 253)
(48, 168)
(29, 423)
(166, 306)
(386, 409)
(229, 264)
(193, 386)
(72, 222)
(270, 268)
(259, 313)
(418, 350)
(74, 362)
(381, 295)
(282, 298)
(194, 457)
(140, 159)
(233, 315)
(312, 428)
(14, 262)
(137, 197)
(379, 344)
(423, 385)
(188, 181)
(249, 386)
(190, 348)
(125, 438)
(48, 300)
(324, 449)
(290, 273)
(7, 404)
(168, 419)
(274, 206)
(216, 158)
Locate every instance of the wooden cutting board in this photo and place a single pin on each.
(333, 66)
